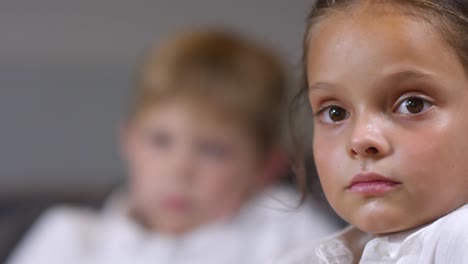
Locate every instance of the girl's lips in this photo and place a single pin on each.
(372, 184)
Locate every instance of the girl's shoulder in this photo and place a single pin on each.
(281, 206)
(287, 226)
(450, 234)
(452, 224)
(304, 254)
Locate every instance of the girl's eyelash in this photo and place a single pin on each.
(321, 110)
(413, 96)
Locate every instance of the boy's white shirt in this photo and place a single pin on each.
(444, 241)
(267, 227)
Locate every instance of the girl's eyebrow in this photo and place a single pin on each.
(320, 86)
(407, 75)
(394, 77)
(398, 76)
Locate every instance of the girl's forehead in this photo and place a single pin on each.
(347, 35)
(368, 45)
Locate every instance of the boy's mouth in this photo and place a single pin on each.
(175, 203)
(372, 184)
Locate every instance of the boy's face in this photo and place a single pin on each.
(188, 167)
(390, 100)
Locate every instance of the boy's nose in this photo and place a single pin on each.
(181, 165)
(368, 139)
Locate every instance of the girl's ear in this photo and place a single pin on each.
(275, 166)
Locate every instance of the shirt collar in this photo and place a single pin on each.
(343, 246)
(350, 243)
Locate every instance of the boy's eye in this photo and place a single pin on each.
(160, 140)
(333, 114)
(213, 150)
(412, 106)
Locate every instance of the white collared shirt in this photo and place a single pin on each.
(266, 227)
(445, 241)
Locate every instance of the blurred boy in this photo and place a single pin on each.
(200, 144)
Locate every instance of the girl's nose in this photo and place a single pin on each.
(368, 139)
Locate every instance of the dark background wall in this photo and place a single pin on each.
(66, 68)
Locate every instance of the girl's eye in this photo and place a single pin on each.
(413, 106)
(333, 114)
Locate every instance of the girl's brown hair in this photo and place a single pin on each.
(220, 71)
(447, 18)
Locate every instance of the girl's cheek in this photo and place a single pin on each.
(326, 158)
(420, 146)
(326, 145)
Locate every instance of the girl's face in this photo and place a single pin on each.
(188, 167)
(390, 100)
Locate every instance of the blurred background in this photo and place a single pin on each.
(66, 68)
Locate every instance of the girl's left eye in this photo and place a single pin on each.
(413, 106)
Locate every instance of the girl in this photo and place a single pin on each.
(387, 82)
(201, 148)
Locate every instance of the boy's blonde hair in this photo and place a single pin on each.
(219, 70)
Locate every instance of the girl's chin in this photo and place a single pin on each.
(379, 221)
(379, 230)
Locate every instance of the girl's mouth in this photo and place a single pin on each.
(372, 184)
